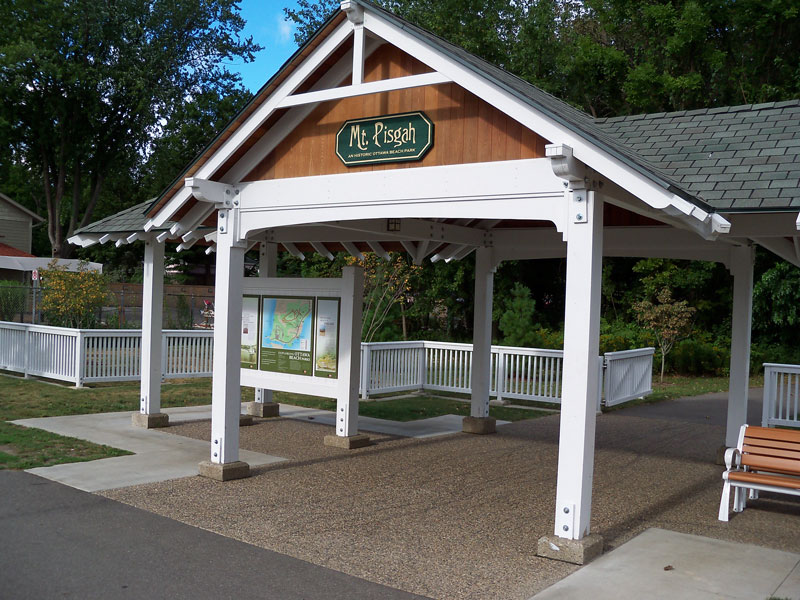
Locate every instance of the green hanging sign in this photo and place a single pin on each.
(385, 139)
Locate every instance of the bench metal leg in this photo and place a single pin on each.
(739, 499)
(725, 502)
(753, 494)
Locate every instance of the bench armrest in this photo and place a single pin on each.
(733, 458)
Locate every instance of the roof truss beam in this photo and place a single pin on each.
(363, 89)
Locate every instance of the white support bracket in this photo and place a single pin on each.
(354, 12)
(213, 192)
(564, 164)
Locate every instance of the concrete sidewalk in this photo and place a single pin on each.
(659, 564)
(159, 456)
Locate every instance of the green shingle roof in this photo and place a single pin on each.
(734, 157)
(129, 220)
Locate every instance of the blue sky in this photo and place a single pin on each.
(267, 25)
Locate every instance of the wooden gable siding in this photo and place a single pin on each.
(467, 130)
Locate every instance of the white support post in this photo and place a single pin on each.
(347, 435)
(225, 390)
(358, 53)
(267, 267)
(742, 270)
(581, 377)
(479, 420)
(150, 414)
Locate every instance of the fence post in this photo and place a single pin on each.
(766, 409)
(423, 366)
(79, 358)
(164, 347)
(366, 368)
(600, 386)
(27, 352)
(500, 376)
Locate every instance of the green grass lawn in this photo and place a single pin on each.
(413, 408)
(25, 448)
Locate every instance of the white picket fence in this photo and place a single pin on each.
(99, 355)
(517, 373)
(781, 396)
(85, 356)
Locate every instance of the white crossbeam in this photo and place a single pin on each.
(363, 89)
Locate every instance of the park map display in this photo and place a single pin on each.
(287, 335)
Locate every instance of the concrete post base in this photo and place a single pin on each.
(150, 421)
(224, 471)
(245, 420)
(348, 443)
(497, 402)
(263, 409)
(577, 552)
(479, 425)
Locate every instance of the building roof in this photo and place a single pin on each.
(734, 157)
(6, 250)
(21, 208)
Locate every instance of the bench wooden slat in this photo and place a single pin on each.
(769, 433)
(769, 463)
(776, 452)
(759, 443)
(765, 479)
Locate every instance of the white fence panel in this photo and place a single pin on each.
(13, 345)
(99, 355)
(187, 354)
(51, 352)
(391, 367)
(448, 367)
(111, 355)
(527, 374)
(629, 375)
(781, 395)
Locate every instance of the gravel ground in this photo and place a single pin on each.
(459, 516)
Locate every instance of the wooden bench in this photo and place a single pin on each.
(765, 459)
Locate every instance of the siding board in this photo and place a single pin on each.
(466, 128)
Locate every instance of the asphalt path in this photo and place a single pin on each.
(711, 409)
(60, 542)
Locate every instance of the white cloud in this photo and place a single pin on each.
(285, 30)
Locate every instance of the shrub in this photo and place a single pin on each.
(698, 357)
(72, 299)
(12, 300)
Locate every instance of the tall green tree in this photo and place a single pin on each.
(87, 85)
